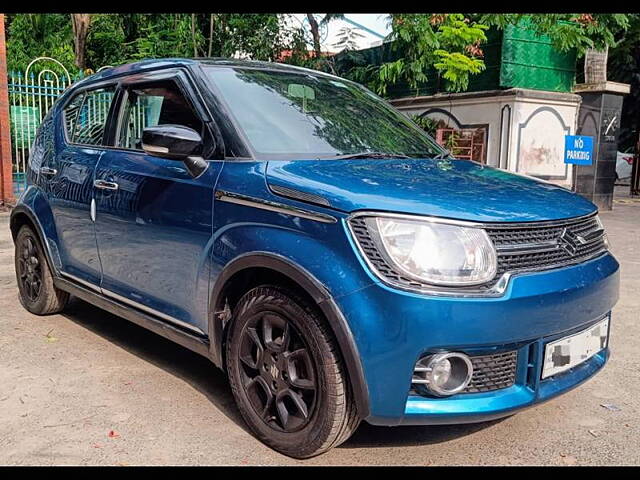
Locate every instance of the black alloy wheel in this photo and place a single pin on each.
(37, 292)
(287, 374)
(29, 269)
(278, 375)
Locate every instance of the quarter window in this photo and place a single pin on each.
(91, 117)
(154, 104)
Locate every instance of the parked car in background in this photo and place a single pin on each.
(624, 165)
(316, 245)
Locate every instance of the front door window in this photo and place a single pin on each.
(159, 104)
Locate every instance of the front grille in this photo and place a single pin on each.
(490, 372)
(521, 247)
(553, 256)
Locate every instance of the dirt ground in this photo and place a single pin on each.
(89, 388)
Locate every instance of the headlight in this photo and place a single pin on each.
(436, 253)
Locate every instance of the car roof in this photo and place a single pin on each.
(156, 64)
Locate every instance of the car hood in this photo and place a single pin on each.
(445, 188)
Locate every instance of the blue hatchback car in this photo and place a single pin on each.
(315, 244)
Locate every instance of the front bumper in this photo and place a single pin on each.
(527, 391)
(393, 329)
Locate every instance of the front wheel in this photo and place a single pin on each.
(287, 375)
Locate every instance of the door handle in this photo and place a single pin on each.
(48, 171)
(104, 185)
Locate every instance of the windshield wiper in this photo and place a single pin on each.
(366, 155)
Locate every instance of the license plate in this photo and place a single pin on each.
(570, 351)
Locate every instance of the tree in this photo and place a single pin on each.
(451, 44)
(114, 39)
(314, 25)
(33, 35)
(106, 40)
(347, 38)
(80, 23)
(448, 42)
(569, 30)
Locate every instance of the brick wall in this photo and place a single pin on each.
(6, 179)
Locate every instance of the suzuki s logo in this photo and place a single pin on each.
(569, 241)
(273, 370)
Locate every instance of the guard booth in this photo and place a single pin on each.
(599, 117)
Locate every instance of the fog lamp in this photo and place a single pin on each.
(444, 374)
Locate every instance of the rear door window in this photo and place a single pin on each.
(71, 114)
(91, 117)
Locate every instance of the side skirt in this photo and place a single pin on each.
(196, 343)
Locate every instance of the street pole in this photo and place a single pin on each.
(6, 170)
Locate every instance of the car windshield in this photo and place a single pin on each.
(285, 115)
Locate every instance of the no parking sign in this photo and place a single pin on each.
(578, 149)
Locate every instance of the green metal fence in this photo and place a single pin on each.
(30, 98)
(31, 95)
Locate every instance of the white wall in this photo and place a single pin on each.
(530, 142)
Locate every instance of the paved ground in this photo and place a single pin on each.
(67, 381)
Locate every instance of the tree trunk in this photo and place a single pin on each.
(315, 32)
(193, 34)
(210, 34)
(80, 23)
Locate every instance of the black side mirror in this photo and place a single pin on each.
(171, 141)
(175, 142)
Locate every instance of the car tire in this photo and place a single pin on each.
(37, 292)
(287, 374)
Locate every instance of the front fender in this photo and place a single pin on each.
(316, 256)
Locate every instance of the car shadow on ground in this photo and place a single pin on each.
(201, 374)
(371, 436)
(195, 369)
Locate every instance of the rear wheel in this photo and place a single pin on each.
(287, 376)
(35, 283)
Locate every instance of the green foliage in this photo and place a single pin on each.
(452, 44)
(456, 68)
(569, 30)
(162, 35)
(34, 35)
(114, 39)
(105, 40)
(258, 36)
(448, 42)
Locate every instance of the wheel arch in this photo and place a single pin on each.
(20, 216)
(256, 266)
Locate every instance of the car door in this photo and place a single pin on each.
(68, 181)
(153, 219)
